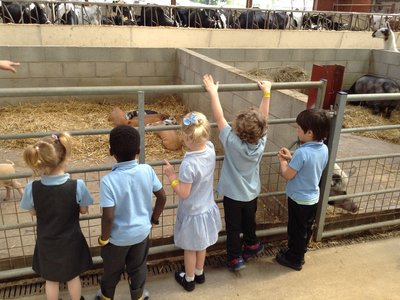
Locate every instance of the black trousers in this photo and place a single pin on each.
(300, 221)
(117, 259)
(239, 217)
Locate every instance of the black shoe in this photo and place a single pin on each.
(181, 279)
(284, 261)
(199, 278)
(284, 251)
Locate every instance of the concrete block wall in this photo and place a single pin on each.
(355, 61)
(284, 104)
(386, 64)
(87, 66)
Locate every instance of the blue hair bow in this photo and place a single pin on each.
(190, 120)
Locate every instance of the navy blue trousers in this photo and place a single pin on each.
(300, 222)
(240, 217)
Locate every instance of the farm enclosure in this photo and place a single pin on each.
(97, 66)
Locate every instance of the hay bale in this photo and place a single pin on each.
(73, 114)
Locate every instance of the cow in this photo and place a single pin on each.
(24, 13)
(199, 18)
(72, 14)
(120, 14)
(371, 84)
(155, 16)
(322, 21)
(258, 19)
(9, 169)
(339, 184)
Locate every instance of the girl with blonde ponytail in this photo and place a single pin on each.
(61, 252)
(198, 220)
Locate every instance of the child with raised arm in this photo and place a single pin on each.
(239, 181)
(198, 220)
(303, 171)
(61, 251)
(127, 215)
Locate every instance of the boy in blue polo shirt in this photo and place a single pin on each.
(303, 171)
(127, 214)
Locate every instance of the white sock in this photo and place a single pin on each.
(198, 272)
(188, 279)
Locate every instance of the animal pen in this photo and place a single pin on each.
(49, 73)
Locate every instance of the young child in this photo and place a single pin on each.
(61, 251)
(127, 215)
(8, 65)
(239, 181)
(303, 171)
(198, 220)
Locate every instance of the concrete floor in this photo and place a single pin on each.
(365, 270)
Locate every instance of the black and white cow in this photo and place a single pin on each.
(24, 13)
(155, 16)
(322, 21)
(339, 184)
(259, 19)
(199, 18)
(371, 84)
(120, 14)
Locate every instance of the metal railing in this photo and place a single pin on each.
(100, 13)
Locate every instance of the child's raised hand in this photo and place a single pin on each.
(209, 84)
(265, 86)
(168, 169)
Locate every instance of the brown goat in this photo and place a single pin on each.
(8, 169)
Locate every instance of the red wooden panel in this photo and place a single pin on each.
(334, 76)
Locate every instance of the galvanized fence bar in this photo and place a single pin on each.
(333, 144)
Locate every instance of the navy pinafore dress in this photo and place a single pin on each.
(61, 251)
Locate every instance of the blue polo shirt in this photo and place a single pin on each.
(129, 189)
(240, 178)
(83, 197)
(309, 160)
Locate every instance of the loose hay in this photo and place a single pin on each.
(281, 74)
(359, 116)
(73, 114)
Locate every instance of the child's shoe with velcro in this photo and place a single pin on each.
(180, 278)
(200, 278)
(236, 264)
(252, 251)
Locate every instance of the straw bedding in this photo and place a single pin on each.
(355, 116)
(72, 114)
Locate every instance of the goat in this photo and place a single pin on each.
(389, 39)
(8, 169)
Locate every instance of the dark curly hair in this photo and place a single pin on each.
(315, 120)
(250, 126)
(124, 143)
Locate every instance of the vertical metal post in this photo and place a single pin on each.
(319, 102)
(333, 144)
(141, 126)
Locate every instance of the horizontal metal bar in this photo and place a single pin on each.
(372, 128)
(369, 157)
(342, 197)
(14, 273)
(123, 90)
(359, 228)
(372, 97)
